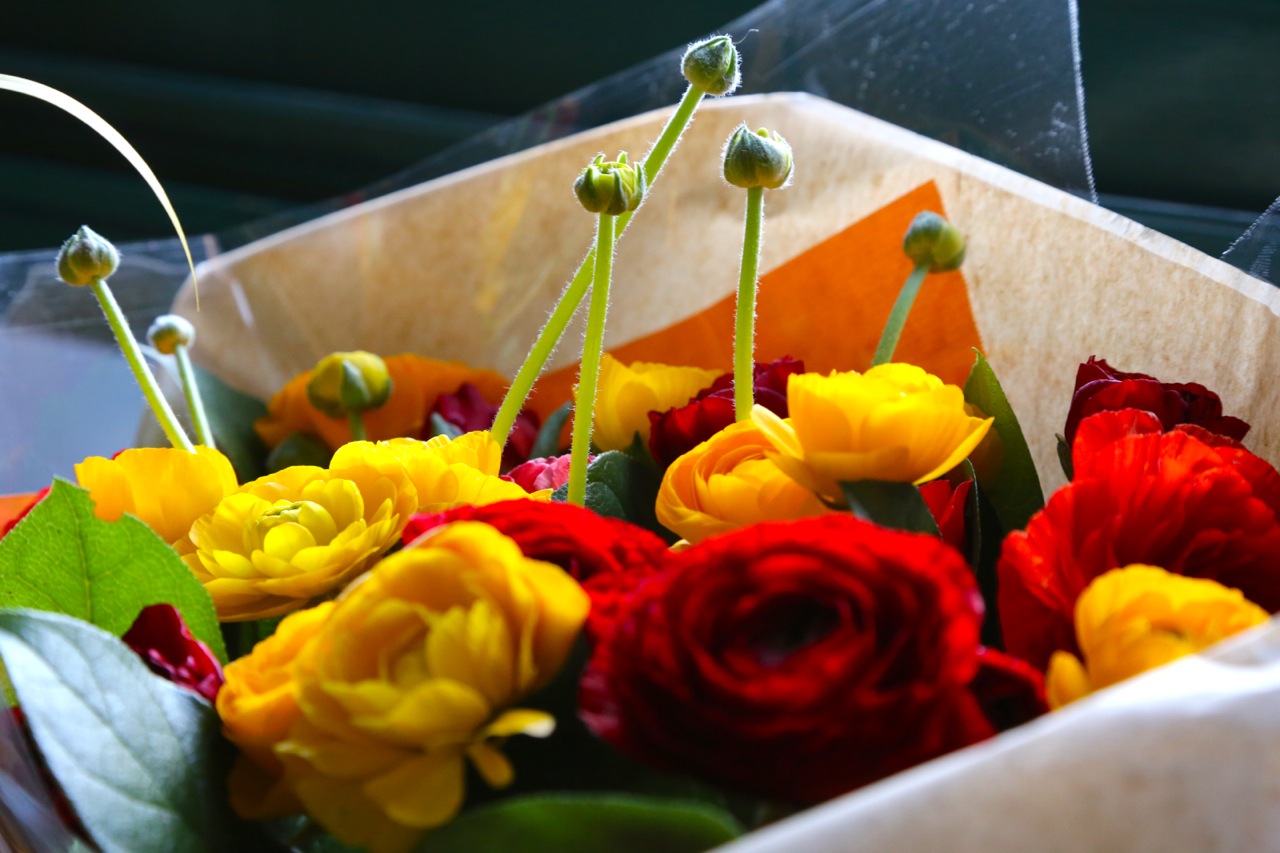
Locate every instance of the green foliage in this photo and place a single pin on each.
(895, 505)
(142, 761)
(1015, 492)
(548, 441)
(985, 540)
(62, 558)
(620, 486)
(580, 823)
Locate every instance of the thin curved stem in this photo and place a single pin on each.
(592, 349)
(898, 316)
(553, 330)
(356, 421)
(744, 338)
(145, 378)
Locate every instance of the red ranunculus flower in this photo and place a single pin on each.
(1102, 388)
(1188, 501)
(677, 431)
(947, 504)
(794, 660)
(162, 640)
(609, 557)
(545, 472)
(469, 411)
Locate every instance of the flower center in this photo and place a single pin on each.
(790, 626)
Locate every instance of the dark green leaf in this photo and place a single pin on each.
(580, 823)
(1015, 492)
(548, 441)
(439, 426)
(895, 505)
(142, 761)
(1064, 457)
(619, 486)
(64, 559)
(231, 416)
(299, 449)
(985, 540)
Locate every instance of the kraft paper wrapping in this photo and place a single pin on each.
(468, 266)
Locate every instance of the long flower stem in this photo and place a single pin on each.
(549, 337)
(355, 420)
(199, 419)
(898, 316)
(744, 340)
(133, 355)
(592, 348)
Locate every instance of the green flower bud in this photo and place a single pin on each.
(712, 65)
(612, 188)
(169, 331)
(87, 257)
(299, 449)
(934, 241)
(760, 159)
(346, 382)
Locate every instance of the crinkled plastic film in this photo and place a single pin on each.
(1255, 251)
(999, 79)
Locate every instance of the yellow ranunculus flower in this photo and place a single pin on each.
(627, 394)
(726, 483)
(299, 533)
(895, 422)
(445, 472)
(165, 487)
(413, 674)
(258, 706)
(1134, 619)
(416, 382)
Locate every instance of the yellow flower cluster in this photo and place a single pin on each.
(364, 712)
(272, 545)
(1136, 618)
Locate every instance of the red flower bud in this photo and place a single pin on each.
(162, 640)
(546, 472)
(1102, 388)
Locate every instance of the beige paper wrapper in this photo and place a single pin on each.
(467, 267)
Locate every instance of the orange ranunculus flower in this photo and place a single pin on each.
(258, 706)
(628, 393)
(291, 536)
(895, 422)
(1134, 619)
(415, 673)
(445, 472)
(166, 487)
(415, 384)
(727, 482)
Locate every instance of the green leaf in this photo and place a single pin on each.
(895, 505)
(1015, 493)
(64, 559)
(548, 441)
(142, 761)
(439, 426)
(1064, 458)
(619, 486)
(231, 416)
(581, 823)
(985, 539)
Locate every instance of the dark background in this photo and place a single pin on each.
(247, 107)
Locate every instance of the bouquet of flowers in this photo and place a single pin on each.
(665, 592)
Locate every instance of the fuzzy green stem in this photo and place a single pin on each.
(549, 337)
(744, 339)
(898, 316)
(356, 421)
(133, 355)
(199, 419)
(592, 348)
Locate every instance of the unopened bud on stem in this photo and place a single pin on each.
(712, 65)
(613, 188)
(759, 159)
(87, 257)
(169, 331)
(935, 242)
(349, 382)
